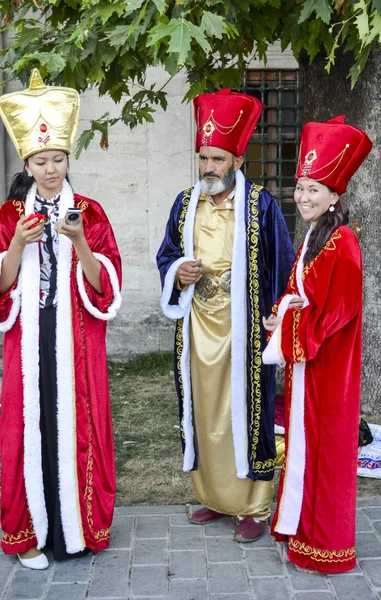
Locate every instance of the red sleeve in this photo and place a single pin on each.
(101, 240)
(333, 286)
(10, 213)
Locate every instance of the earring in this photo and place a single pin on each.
(29, 174)
(332, 208)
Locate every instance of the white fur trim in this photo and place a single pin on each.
(66, 413)
(117, 300)
(30, 291)
(189, 454)
(238, 335)
(279, 430)
(16, 304)
(272, 355)
(179, 311)
(176, 311)
(292, 497)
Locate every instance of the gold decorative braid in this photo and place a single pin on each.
(330, 245)
(82, 204)
(255, 331)
(19, 204)
(319, 554)
(179, 349)
(186, 199)
(179, 325)
(20, 537)
(297, 350)
(101, 534)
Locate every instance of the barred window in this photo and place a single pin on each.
(272, 154)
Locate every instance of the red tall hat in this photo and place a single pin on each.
(332, 152)
(226, 120)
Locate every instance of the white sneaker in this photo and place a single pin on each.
(38, 562)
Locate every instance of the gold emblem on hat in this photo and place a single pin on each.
(309, 159)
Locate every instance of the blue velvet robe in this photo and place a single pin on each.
(270, 256)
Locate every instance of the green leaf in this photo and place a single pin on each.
(54, 63)
(131, 5)
(320, 7)
(376, 5)
(375, 28)
(362, 20)
(197, 88)
(118, 36)
(161, 31)
(105, 11)
(198, 34)
(180, 41)
(161, 6)
(214, 25)
(84, 141)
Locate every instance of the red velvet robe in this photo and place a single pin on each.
(86, 450)
(326, 336)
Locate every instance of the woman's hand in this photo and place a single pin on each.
(189, 272)
(25, 235)
(74, 232)
(271, 323)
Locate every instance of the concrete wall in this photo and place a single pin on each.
(136, 181)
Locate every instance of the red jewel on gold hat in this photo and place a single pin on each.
(43, 127)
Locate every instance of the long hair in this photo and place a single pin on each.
(21, 184)
(324, 228)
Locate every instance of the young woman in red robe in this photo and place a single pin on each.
(316, 329)
(59, 285)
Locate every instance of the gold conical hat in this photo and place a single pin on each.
(41, 117)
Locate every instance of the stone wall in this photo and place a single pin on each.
(136, 181)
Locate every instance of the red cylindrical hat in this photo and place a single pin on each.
(226, 120)
(332, 152)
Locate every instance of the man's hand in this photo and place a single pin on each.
(189, 272)
(26, 234)
(271, 323)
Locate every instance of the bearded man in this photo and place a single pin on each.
(225, 259)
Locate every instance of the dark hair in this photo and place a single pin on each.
(21, 184)
(324, 228)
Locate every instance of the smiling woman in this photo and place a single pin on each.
(59, 285)
(316, 333)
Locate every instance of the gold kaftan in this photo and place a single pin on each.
(215, 482)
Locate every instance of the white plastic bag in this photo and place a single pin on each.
(369, 459)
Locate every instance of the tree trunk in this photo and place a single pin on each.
(327, 96)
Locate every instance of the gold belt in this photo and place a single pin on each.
(208, 285)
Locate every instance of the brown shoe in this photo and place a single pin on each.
(205, 515)
(249, 530)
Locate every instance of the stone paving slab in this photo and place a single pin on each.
(156, 554)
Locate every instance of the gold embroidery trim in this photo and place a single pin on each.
(179, 325)
(255, 332)
(298, 352)
(19, 205)
(20, 537)
(330, 245)
(185, 201)
(101, 534)
(82, 204)
(320, 555)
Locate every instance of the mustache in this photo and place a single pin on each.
(211, 174)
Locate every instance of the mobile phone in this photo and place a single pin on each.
(72, 216)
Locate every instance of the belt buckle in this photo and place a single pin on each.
(207, 286)
(225, 281)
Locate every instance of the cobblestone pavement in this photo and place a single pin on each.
(155, 553)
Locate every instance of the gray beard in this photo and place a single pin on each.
(212, 188)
